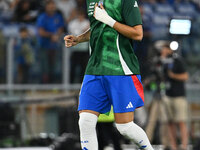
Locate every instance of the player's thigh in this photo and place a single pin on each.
(93, 96)
(181, 109)
(124, 117)
(125, 93)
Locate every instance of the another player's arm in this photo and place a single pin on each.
(72, 40)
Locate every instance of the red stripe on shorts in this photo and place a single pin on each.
(138, 86)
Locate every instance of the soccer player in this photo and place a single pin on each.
(112, 75)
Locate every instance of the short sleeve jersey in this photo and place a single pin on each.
(111, 52)
(178, 66)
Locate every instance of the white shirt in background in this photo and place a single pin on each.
(66, 6)
(77, 27)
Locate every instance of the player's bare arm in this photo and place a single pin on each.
(134, 33)
(72, 40)
(178, 76)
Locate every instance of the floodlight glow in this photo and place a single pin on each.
(174, 45)
(180, 26)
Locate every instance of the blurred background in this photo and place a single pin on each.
(40, 79)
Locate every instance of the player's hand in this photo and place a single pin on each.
(55, 38)
(101, 15)
(71, 40)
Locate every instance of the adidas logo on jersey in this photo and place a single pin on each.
(136, 4)
(130, 105)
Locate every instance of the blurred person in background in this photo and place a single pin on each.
(80, 53)
(81, 4)
(50, 28)
(2, 58)
(175, 101)
(24, 55)
(68, 8)
(14, 3)
(24, 12)
(4, 5)
(6, 10)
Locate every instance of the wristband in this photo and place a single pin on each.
(102, 16)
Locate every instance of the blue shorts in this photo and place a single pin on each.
(98, 93)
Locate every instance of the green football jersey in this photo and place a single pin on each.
(111, 52)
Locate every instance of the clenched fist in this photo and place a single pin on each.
(71, 40)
